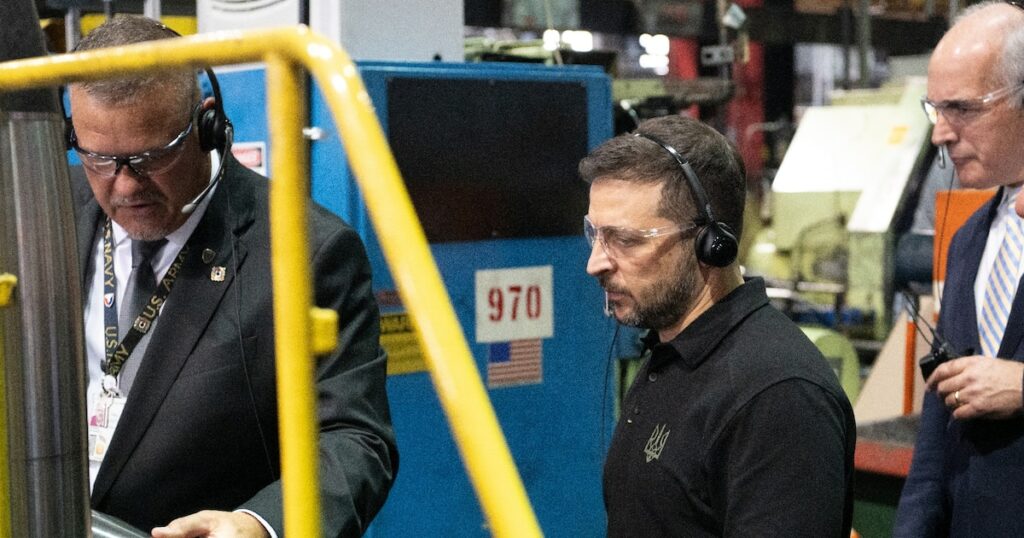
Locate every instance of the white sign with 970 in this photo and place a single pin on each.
(514, 304)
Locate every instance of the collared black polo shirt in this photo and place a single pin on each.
(737, 427)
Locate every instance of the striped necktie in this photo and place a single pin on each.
(1001, 288)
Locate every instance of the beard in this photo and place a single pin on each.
(663, 305)
(147, 231)
(154, 226)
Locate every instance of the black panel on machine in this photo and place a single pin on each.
(490, 159)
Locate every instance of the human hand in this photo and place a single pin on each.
(213, 524)
(980, 387)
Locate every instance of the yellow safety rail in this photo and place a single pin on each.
(462, 395)
(7, 283)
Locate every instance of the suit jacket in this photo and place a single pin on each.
(967, 477)
(200, 427)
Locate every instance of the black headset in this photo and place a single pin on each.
(716, 243)
(214, 125)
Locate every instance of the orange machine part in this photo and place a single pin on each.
(909, 363)
(952, 209)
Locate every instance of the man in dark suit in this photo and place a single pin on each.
(967, 475)
(183, 424)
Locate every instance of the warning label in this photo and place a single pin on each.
(398, 337)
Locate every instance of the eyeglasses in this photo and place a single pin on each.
(619, 242)
(145, 164)
(961, 111)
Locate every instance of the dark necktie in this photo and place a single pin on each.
(141, 284)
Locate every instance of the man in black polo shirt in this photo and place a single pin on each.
(735, 425)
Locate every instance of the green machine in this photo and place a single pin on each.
(837, 201)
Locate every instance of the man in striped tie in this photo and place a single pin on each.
(967, 476)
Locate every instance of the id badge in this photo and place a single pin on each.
(102, 423)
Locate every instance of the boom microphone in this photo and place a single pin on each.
(943, 150)
(188, 208)
(191, 206)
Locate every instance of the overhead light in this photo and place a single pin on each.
(579, 40)
(655, 44)
(552, 39)
(653, 61)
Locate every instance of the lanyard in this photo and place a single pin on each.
(117, 352)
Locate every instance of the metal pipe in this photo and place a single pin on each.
(72, 28)
(453, 371)
(721, 6)
(151, 9)
(45, 368)
(864, 41)
(846, 37)
(292, 297)
(104, 526)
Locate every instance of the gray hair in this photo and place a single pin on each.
(126, 30)
(1011, 62)
(1010, 67)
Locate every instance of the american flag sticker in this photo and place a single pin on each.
(514, 363)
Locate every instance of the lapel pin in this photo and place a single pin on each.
(208, 255)
(217, 273)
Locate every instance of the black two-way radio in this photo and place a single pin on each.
(941, 350)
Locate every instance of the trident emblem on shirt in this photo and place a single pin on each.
(657, 442)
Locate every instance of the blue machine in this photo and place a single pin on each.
(488, 152)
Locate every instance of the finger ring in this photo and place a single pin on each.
(956, 398)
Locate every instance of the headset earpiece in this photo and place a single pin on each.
(211, 130)
(213, 123)
(716, 245)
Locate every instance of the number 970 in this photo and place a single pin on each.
(505, 303)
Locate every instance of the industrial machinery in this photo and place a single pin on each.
(42, 440)
(488, 153)
(845, 190)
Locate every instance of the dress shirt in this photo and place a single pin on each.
(94, 322)
(996, 234)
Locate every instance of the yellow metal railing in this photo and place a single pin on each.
(7, 283)
(462, 395)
